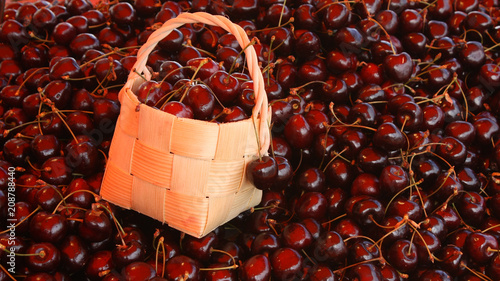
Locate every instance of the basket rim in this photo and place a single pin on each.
(261, 111)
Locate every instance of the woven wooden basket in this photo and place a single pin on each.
(187, 173)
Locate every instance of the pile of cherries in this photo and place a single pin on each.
(385, 154)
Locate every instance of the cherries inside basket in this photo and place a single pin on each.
(383, 164)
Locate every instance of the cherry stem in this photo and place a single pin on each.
(490, 228)
(358, 263)
(240, 54)
(115, 51)
(224, 252)
(1, 266)
(401, 191)
(337, 154)
(57, 208)
(162, 244)
(386, 33)
(234, 266)
(271, 28)
(7, 132)
(330, 221)
(41, 254)
(23, 220)
(308, 257)
(478, 274)
(431, 256)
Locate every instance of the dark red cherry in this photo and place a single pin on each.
(472, 207)
(312, 179)
(96, 226)
(393, 179)
(398, 67)
(296, 236)
(262, 172)
(311, 205)
(201, 100)
(83, 42)
(481, 247)
(46, 227)
(74, 253)
(409, 116)
(402, 255)
(123, 13)
(43, 257)
(99, 264)
(298, 132)
(286, 263)
(256, 268)
(55, 171)
(329, 247)
(340, 173)
(372, 159)
(367, 211)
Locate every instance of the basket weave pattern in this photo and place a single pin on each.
(187, 173)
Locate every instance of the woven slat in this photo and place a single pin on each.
(187, 173)
(186, 212)
(219, 208)
(160, 173)
(116, 187)
(148, 198)
(128, 113)
(225, 177)
(156, 128)
(190, 176)
(194, 139)
(233, 138)
(121, 154)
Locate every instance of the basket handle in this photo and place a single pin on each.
(261, 111)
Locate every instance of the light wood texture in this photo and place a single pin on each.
(187, 173)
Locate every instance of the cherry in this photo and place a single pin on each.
(296, 236)
(99, 264)
(265, 243)
(66, 66)
(262, 172)
(367, 270)
(201, 100)
(393, 179)
(409, 116)
(180, 267)
(340, 173)
(82, 157)
(286, 263)
(95, 226)
(83, 42)
(402, 255)
(398, 67)
(46, 227)
(16, 150)
(199, 248)
(312, 179)
(311, 205)
(43, 257)
(74, 253)
(365, 184)
(471, 207)
(481, 247)
(256, 268)
(452, 259)
(362, 250)
(372, 160)
(321, 272)
(126, 254)
(298, 132)
(329, 247)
